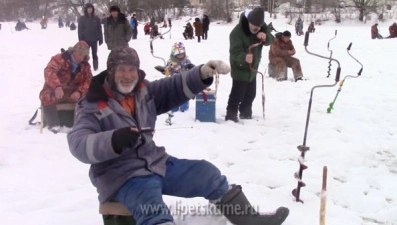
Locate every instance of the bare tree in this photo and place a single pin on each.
(29, 9)
(362, 6)
(269, 5)
(219, 9)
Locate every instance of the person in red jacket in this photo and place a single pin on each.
(393, 31)
(375, 33)
(146, 28)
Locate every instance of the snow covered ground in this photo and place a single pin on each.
(41, 182)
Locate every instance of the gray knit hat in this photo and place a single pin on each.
(257, 16)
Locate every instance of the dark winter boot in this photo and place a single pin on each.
(51, 118)
(238, 210)
(245, 117)
(95, 65)
(231, 117)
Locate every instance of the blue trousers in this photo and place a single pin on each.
(184, 107)
(184, 178)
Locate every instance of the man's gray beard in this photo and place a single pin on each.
(254, 32)
(125, 90)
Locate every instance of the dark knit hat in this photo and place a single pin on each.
(256, 16)
(287, 33)
(121, 55)
(114, 8)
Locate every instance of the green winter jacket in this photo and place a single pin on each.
(240, 39)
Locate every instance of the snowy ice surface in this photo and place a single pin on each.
(42, 183)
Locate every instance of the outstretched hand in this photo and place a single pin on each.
(212, 67)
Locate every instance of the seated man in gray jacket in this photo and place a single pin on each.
(113, 132)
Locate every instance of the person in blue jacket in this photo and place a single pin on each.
(134, 25)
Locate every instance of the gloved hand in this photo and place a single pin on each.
(190, 66)
(161, 69)
(126, 137)
(213, 66)
(100, 42)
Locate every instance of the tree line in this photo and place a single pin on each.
(217, 9)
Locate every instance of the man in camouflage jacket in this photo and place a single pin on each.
(67, 78)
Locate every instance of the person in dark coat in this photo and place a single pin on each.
(73, 26)
(188, 32)
(21, 26)
(60, 22)
(114, 134)
(154, 32)
(118, 31)
(311, 28)
(90, 31)
(250, 30)
(206, 26)
(299, 27)
(271, 27)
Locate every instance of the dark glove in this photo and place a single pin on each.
(100, 42)
(161, 69)
(124, 138)
(190, 66)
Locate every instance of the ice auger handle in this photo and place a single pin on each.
(350, 45)
(337, 74)
(306, 39)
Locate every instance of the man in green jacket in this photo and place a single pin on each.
(250, 30)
